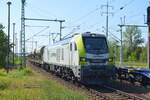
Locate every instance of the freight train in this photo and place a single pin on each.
(81, 57)
(133, 75)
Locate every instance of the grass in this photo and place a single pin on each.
(12, 87)
(132, 64)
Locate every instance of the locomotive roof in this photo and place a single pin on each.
(62, 42)
(88, 34)
(67, 40)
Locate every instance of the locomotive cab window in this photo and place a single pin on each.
(95, 45)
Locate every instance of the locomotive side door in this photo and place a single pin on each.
(71, 54)
(75, 55)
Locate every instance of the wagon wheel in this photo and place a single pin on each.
(144, 82)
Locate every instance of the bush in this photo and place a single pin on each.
(4, 83)
(27, 71)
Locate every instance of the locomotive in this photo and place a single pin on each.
(81, 57)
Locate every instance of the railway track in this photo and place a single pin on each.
(105, 92)
(109, 93)
(119, 95)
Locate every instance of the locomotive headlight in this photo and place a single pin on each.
(93, 35)
(82, 59)
(110, 59)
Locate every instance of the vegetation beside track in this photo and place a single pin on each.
(132, 64)
(12, 87)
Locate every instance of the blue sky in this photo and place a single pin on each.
(79, 15)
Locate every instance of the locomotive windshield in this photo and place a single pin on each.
(95, 45)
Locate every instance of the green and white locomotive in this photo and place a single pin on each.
(82, 57)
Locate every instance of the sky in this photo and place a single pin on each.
(79, 15)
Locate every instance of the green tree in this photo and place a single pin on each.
(113, 49)
(143, 55)
(133, 37)
(132, 41)
(3, 47)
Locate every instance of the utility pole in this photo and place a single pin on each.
(32, 43)
(121, 54)
(61, 29)
(35, 44)
(7, 68)
(13, 44)
(121, 48)
(124, 19)
(107, 15)
(22, 44)
(148, 47)
(16, 44)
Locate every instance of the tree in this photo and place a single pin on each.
(143, 55)
(3, 47)
(133, 37)
(114, 49)
(132, 42)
